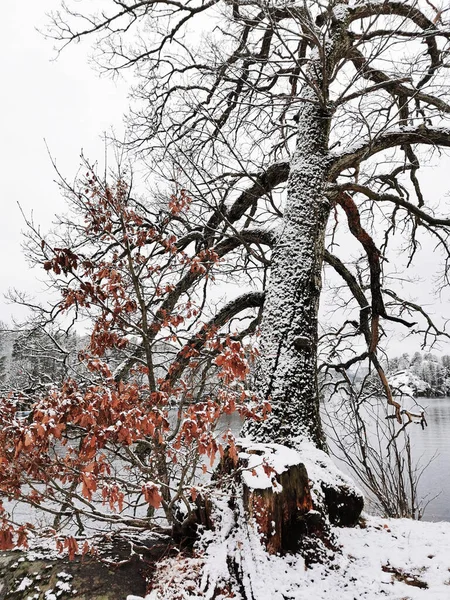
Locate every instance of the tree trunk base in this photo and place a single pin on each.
(288, 510)
(269, 501)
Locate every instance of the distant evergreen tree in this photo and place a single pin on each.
(393, 364)
(416, 359)
(3, 363)
(446, 365)
(404, 361)
(3, 354)
(40, 358)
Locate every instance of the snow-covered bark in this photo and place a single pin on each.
(222, 102)
(289, 328)
(289, 333)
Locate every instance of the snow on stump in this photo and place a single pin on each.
(333, 493)
(290, 495)
(276, 494)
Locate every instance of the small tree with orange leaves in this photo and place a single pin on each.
(121, 443)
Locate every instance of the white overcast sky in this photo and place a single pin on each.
(64, 102)
(68, 104)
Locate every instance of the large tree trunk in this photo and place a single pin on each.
(289, 333)
(289, 328)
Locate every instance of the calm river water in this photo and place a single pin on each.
(434, 440)
(430, 450)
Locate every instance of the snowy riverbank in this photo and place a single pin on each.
(390, 559)
(385, 558)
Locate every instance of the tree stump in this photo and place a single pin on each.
(276, 494)
(343, 503)
(281, 501)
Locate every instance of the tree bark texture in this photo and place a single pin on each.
(280, 516)
(289, 332)
(289, 335)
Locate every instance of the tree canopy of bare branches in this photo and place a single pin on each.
(289, 121)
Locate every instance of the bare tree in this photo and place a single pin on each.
(133, 421)
(283, 113)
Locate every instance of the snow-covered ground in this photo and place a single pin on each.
(381, 558)
(388, 559)
(391, 559)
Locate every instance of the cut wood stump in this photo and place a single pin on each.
(279, 511)
(278, 498)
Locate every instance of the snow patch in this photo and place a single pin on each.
(340, 12)
(24, 584)
(386, 558)
(264, 461)
(321, 468)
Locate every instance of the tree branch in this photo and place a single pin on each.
(430, 136)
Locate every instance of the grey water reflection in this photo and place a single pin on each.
(434, 440)
(430, 450)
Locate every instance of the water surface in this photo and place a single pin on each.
(430, 449)
(434, 440)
